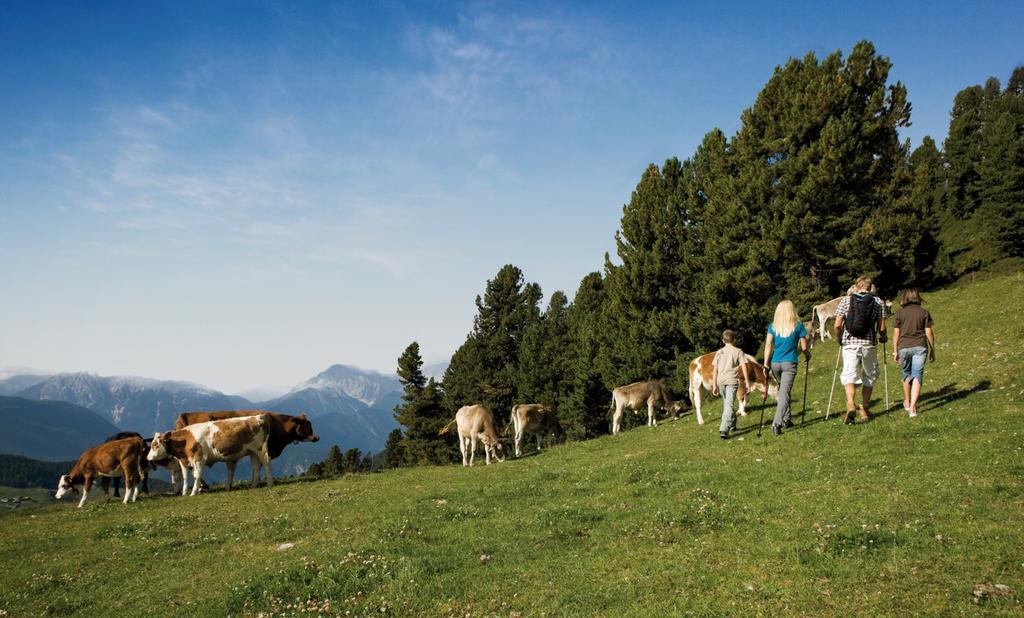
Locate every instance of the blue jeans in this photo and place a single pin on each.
(912, 360)
(728, 396)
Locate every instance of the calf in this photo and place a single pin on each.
(226, 440)
(700, 382)
(110, 459)
(537, 419)
(476, 423)
(640, 394)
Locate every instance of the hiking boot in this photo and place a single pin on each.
(776, 430)
(723, 435)
(849, 418)
(865, 416)
(788, 424)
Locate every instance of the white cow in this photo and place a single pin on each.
(474, 423)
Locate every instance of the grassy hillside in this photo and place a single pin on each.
(897, 516)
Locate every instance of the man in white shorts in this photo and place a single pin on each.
(860, 318)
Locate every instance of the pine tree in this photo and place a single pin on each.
(643, 313)
(1001, 170)
(584, 412)
(483, 369)
(353, 459)
(334, 463)
(545, 357)
(421, 413)
(394, 449)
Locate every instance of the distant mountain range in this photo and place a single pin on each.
(350, 407)
(50, 430)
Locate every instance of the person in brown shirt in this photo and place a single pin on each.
(911, 342)
(729, 363)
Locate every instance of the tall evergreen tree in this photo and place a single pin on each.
(544, 373)
(394, 449)
(334, 463)
(422, 413)
(584, 411)
(484, 368)
(1001, 170)
(644, 309)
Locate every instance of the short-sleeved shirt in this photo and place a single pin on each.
(728, 361)
(912, 319)
(876, 316)
(784, 349)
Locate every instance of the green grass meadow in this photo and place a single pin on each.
(898, 516)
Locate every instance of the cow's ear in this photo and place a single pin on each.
(167, 436)
(303, 416)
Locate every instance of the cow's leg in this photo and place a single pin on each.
(518, 438)
(697, 399)
(617, 418)
(117, 483)
(487, 452)
(462, 449)
(742, 399)
(231, 472)
(184, 477)
(105, 484)
(86, 486)
(472, 449)
(265, 463)
(197, 476)
(651, 421)
(539, 436)
(254, 463)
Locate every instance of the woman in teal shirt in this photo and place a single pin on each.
(786, 334)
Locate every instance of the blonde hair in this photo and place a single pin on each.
(786, 318)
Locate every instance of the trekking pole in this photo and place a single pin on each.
(764, 402)
(839, 353)
(803, 413)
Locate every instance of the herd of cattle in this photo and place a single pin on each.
(203, 438)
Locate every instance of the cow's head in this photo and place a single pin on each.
(64, 486)
(677, 408)
(299, 429)
(158, 447)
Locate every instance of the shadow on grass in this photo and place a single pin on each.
(948, 394)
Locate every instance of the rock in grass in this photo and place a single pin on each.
(983, 592)
(284, 546)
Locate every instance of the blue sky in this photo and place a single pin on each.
(240, 194)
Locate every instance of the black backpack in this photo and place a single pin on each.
(860, 318)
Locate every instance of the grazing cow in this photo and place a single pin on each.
(117, 458)
(147, 466)
(639, 394)
(700, 382)
(823, 313)
(226, 440)
(537, 419)
(284, 428)
(476, 423)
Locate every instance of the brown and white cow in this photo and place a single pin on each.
(638, 395)
(226, 440)
(285, 429)
(474, 423)
(537, 419)
(117, 458)
(700, 382)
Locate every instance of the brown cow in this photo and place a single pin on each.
(117, 458)
(226, 440)
(284, 428)
(639, 394)
(476, 423)
(537, 419)
(700, 382)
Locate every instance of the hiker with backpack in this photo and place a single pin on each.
(860, 321)
(912, 338)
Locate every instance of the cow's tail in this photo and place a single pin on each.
(445, 429)
(511, 421)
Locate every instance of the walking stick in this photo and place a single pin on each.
(764, 402)
(803, 413)
(839, 353)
